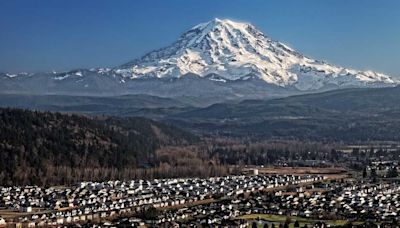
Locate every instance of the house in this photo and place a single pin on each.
(27, 209)
(2, 222)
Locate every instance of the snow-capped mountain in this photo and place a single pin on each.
(235, 50)
(218, 60)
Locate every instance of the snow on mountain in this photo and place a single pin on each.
(216, 61)
(235, 50)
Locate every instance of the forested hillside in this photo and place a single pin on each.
(51, 148)
(349, 115)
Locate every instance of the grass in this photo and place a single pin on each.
(302, 221)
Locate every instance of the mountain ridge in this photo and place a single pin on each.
(356, 114)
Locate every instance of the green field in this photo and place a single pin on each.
(302, 221)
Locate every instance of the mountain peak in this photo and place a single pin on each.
(236, 50)
(221, 58)
(223, 31)
(221, 22)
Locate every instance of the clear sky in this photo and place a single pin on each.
(44, 35)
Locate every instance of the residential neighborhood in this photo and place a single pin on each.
(231, 201)
(95, 201)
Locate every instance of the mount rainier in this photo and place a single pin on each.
(221, 58)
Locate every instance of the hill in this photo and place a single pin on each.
(127, 105)
(52, 148)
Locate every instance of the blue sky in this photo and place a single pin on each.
(44, 35)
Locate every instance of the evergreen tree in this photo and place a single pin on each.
(392, 172)
(374, 175)
(364, 174)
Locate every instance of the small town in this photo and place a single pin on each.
(232, 201)
(90, 201)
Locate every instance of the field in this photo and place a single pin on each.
(280, 219)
